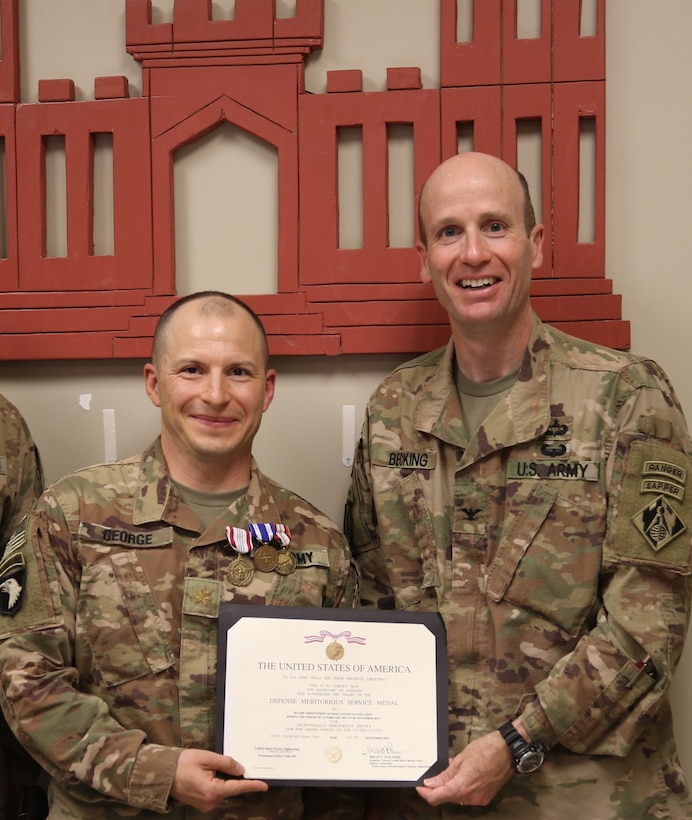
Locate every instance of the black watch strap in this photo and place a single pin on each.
(512, 737)
(526, 757)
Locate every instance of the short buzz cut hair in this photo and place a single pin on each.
(214, 303)
(529, 213)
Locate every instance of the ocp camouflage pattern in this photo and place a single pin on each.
(21, 474)
(21, 483)
(556, 543)
(109, 666)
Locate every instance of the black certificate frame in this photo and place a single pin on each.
(231, 615)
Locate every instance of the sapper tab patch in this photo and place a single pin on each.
(664, 477)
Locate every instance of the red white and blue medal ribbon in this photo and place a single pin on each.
(266, 533)
(243, 540)
(240, 540)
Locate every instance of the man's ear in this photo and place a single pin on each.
(423, 256)
(269, 387)
(151, 384)
(537, 237)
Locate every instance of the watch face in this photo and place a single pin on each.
(530, 761)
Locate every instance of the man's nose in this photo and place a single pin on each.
(216, 389)
(475, 249)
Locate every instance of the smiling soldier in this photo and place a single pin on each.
(109, 653)
(532, 488)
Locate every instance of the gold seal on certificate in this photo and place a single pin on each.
(334, 651)
(332, 754)
(348, 697)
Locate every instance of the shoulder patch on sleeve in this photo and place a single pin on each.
(652, 525)
(25, 599)
(13, 572)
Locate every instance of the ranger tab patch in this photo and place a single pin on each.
(664, 477)
(13, 573)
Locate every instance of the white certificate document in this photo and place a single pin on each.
(324, 696)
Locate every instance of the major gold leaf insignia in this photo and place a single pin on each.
(202, 597)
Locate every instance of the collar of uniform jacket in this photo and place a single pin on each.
(522, 415)
(156, 499)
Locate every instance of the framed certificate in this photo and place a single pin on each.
(310, 696)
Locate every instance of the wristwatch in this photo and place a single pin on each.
(526, 757)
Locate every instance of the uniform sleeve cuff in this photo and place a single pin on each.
(152, 777)
(537, 725)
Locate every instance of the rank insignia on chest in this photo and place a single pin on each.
(202, 597)
(12, 574)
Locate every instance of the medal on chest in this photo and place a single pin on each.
(241, 568)
(261, 547)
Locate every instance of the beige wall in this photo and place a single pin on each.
(649, 179)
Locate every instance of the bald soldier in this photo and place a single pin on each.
(532, 488)
(108, 656)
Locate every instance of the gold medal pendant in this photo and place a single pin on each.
(266, 558)
(285, 562)
(240, 571)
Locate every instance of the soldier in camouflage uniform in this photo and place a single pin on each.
(21, 483)
(532, 488)
(109, 652)
(21, 475)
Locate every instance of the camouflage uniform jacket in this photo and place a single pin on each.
(109, 665)
(21, 483)
(21, 476)
(556, 544)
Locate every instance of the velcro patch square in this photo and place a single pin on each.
(655, 510)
